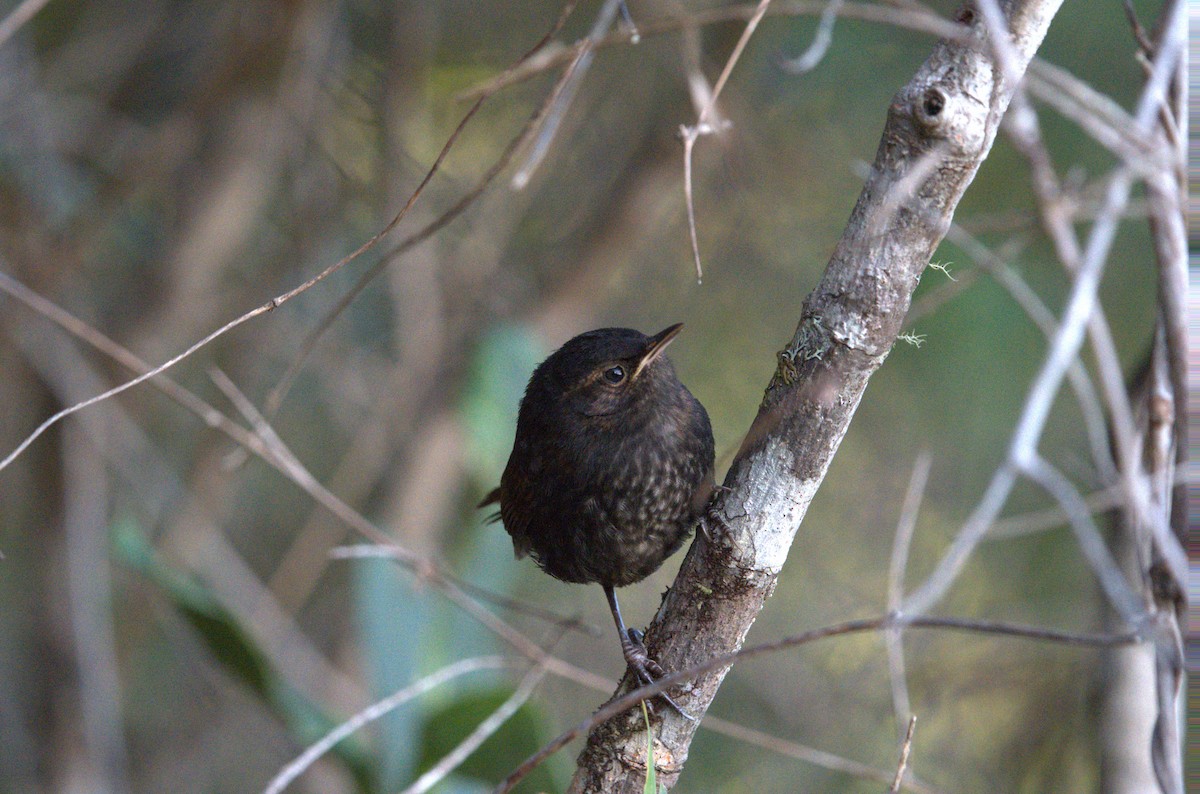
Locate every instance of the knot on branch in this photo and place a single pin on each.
(932, 105)
(946, 118)
(947, 105)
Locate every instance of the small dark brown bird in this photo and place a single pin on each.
(611, 468)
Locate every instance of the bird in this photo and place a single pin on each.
(611, 468)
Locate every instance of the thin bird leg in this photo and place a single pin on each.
(645, 669)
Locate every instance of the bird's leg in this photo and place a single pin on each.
(645, 669)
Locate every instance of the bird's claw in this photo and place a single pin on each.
(713, 518)
(645, 669)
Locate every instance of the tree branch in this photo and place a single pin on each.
(940, 128)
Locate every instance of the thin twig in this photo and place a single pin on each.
(921, 21)
(809, 755)
(1096, 114)
(277, 394)
(1063, 350)
(703, 127)
(1055, 517)
(1025, 132)
(1095, 421)
(267, 445)
(270, 305)
(905, 528)
(1116, 587)
(18, 17)
(689, 142)
(147, 375)
(632, 698)
(808, 60)
(380, 709)
(291, 466)
(905, 750)
(564, 92)
(453, 759)
(482, 593)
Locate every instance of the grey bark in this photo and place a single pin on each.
(940, 128)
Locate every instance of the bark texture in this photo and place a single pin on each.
(939, 129)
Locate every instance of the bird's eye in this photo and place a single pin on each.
(614, 375)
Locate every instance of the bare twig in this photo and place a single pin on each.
(277, 301)
(905, 528)
(1054, 517)
(905, 749)
(808, 60)
(920, 20)
(1116, 587)
(630, 699)
(277, 394)
(147, 375)
(18, 17)
(1079, 309)
(267, 445)
(483, 594)
(1085, 392)
(480, 734)
(1025, 132)
(809, 755)
(702, 126)
(565, 90)
(1096, 114)
(376, 710)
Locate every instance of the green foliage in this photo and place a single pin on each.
(499, 369)
(522, 735)
(233, 649)
(393, 628)
(651, 786)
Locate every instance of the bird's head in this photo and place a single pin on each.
(610, 370)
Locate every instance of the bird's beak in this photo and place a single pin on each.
(657, 344)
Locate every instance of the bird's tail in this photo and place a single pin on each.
(492, 498)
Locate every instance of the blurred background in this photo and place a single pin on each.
(170, 615)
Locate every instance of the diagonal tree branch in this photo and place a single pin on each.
(940, 128)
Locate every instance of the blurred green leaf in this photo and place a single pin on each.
(234, 649)
(392, 623)
(651, 786)
(519, 737)
(499, 369)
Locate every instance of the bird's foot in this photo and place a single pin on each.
(714, 526)
(645, 669)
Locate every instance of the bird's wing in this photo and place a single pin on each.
(514, 492)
